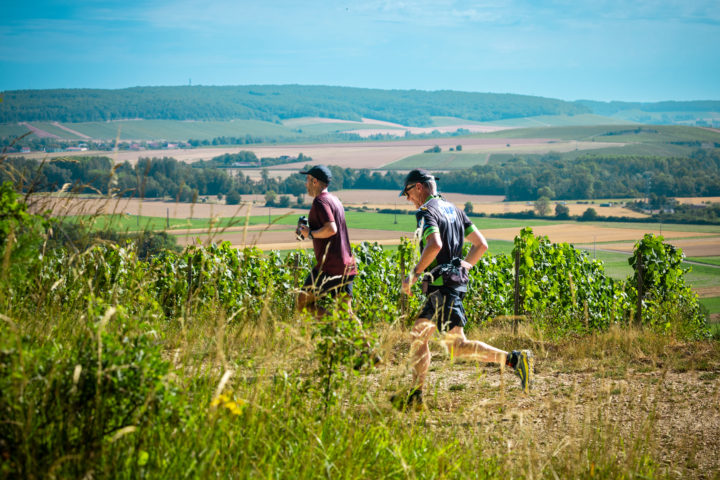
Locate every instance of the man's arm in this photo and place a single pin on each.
(479, 247)
(327, 230)
(432, 248)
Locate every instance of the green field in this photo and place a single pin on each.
(55, 130)
(557, 121)
(451, 121)
(440, 161)
(616, 264)
(659, 149)
(600, 133)
(8, 130)
(712, 304)
(131, 223)
(169, 129)
(708, 260)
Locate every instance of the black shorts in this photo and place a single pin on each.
(320, 283)
(444, 306)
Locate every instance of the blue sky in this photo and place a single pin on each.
(599, 50)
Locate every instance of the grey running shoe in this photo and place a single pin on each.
(524, 365)
(405, 401)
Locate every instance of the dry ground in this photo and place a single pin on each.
(671, 397)
(691, 247)
(575, 233)
(574, 208)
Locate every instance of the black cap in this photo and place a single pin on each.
(417, 175)
(321, 172)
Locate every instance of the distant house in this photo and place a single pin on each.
(25, 150)
(76, 149)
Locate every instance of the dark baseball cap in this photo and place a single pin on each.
(417, 175)
(321, 172)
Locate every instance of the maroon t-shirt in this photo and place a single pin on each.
(333, 254)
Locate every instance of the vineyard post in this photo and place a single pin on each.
(640, 293)
(517, 291)
(189, 286)
(403, 297)
(295, 272)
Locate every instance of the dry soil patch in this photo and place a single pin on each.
(575, 233)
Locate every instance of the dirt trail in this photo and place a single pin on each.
(679, 411)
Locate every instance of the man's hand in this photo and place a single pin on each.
(465, 265)
(304, 231)
(407, 283)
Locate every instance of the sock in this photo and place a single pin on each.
(512, 359)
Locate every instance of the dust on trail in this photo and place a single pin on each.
(679, 411)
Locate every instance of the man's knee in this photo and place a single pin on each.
(304, 299)
(422, 330)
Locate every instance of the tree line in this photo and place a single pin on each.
(271, 103)
(525, 179)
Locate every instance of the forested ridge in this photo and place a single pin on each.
(271, 103)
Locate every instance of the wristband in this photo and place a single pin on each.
(310, 235)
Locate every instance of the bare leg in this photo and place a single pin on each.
(459, 346)
(419, 350)
(308, 301)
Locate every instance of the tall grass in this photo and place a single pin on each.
(111, 367)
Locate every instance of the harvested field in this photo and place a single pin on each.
(575, 234)
(691, 247)
(390, 198)
(282, 237)
(155, 208)
(575, 209)
(352, 155)
(697, 200)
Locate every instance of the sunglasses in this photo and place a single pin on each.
(407, 189)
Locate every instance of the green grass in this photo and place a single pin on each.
(406, 222)
(128, 223)
(55, 130)
(451, 121)
(13, 130)
(674, 227)
(598, 133)
(711, 303)
(708, 260)
(324, 128)
(440, 161)
(557, 120)
(659, 149)
(179, 130)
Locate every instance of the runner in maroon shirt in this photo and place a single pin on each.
(335, 267)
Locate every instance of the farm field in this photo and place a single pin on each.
(372, 155)
(472, 155)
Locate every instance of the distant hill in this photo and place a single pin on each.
(273, 103)
(699, 113)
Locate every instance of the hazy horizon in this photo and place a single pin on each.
(604, 51)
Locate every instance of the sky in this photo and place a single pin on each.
(602, 50)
